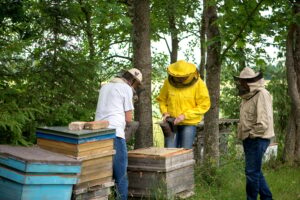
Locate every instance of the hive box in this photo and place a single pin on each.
(94, 148)
(31, 173)
(271, 152)
(160, 173)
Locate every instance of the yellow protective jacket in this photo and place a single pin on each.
(192, 101)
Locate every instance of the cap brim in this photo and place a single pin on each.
(250, 80)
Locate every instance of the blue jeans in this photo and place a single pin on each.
(183, 138)
(255, 181)
(120, 163)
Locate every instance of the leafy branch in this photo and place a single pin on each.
(237, 37)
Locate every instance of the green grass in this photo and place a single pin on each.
(228, 182)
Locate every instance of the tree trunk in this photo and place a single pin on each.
(292, 140)
(85, 8)
(142, 61)
(203, 27)
(198, 153)
(174, 33)
(211, 119)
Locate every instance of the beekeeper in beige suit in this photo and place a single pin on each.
(255, 129)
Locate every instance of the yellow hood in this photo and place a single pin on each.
(181, 68)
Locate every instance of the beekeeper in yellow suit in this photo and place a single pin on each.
(184, 96)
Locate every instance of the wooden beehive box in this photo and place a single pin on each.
(160, 172)
(94, 148)
(34, 173)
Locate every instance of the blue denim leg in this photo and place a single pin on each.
(255, 182)
(120, 168)
(185, 136)
(170, 141)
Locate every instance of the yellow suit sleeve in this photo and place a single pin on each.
(162, 98)
(202, 103)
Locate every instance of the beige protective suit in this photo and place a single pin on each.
(256, 113)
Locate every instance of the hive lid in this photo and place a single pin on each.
(62, 133)
(157, 152)
(34, 159)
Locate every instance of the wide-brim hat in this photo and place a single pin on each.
(137, 74)
(249, 75)
(181, 68)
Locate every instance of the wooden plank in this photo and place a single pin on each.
(156, 152)
(180, 172)
(60, 151)
(150, 169)
(158, 179)
(95, 151)
(100, 155)
(6, 188)
(35, 155)
(75, 147)
(96, 168)
(81, 154)
(11, 190)
(170, 194)
(93, 188)
(97, 161)
(181, 188)
(105, 172)
(99, 198)
(93, 193)
(35, 179)
(88, 184)
(161, 162)
(162, 169)
(157, 174)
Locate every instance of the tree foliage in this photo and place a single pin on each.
(54, 54)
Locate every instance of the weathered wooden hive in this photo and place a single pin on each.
(161, 173)
(31, 173)
(94, 148)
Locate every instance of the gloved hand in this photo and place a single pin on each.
(165, 115)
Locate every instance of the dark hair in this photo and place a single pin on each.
(129, 77)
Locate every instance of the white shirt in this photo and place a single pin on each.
(114, 100)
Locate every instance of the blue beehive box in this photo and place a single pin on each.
(31, 173)
(93, 147)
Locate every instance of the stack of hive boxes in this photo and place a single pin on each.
(161, 173)
(34, 173)
(94, 148)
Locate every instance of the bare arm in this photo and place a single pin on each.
(128, 116)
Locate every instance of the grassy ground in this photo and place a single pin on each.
(229, 182)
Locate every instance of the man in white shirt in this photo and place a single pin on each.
(115, 104)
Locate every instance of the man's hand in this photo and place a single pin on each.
(165, 115)
(179, 119)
